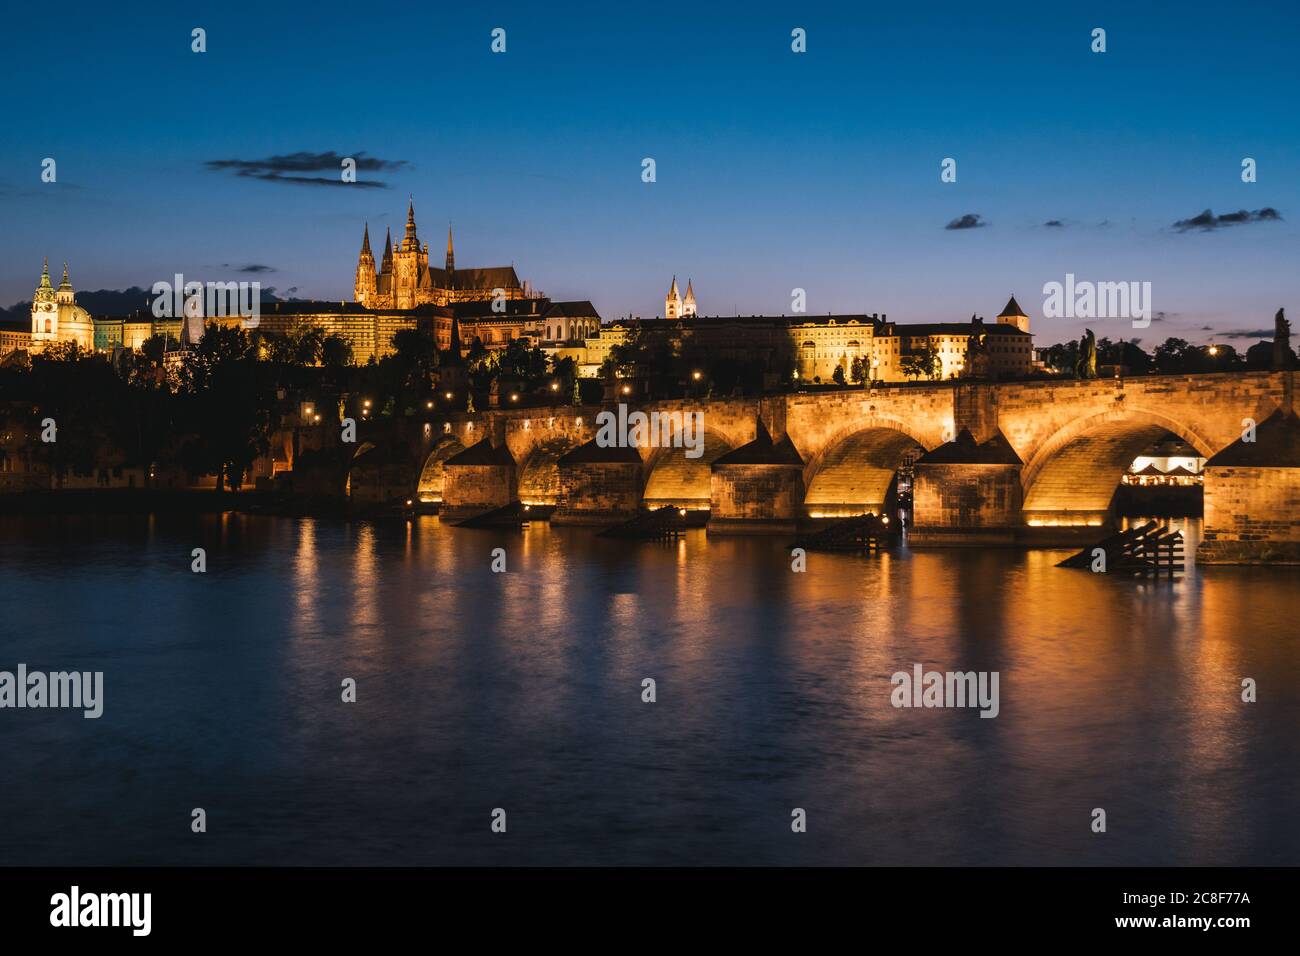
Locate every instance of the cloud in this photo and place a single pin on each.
(272, 294)
(291, 168)
(255, 267)
(972, 220)
(1208, 221)
(1248, 334)
(1054, 223)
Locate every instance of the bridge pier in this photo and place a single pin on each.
(1252, 497)
(966, 493)
(598, 485)
(757, 488)
(479, 479)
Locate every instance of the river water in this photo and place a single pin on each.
(523, 691)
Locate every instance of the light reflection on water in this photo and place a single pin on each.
(523, 690)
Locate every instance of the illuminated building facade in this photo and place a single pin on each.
(812, 348)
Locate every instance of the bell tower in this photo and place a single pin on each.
(688, 303)
(64, 294)
(45, 310)
(673, 302)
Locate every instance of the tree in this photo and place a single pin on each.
(522, 361)
(482, 367)
(1062, 357)
(1126, 353)
(858, 370)
(81, 394)
(415, 351)
(564, 370)
(1171, 355)
(1212, 358)
(228, 404)
(924, 362)
(64, 352)
(156, 346)
(335, 351)
(307, 343)
(838, 375)
(1259, 357)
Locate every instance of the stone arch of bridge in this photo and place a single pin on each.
(363, 449)
(429, 484)
(853, 471)
(1071, 477)
(673, 478)
(539, 472)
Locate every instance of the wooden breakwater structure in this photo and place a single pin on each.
(661, 524)
(515, 515)
(863, 534)
(1149, 550)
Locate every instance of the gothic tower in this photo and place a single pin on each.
(367, 285)
(45, 309)
(410, 262)
(451, 252)
(673, 302)
(688, 303)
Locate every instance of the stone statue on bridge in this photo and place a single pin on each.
(977, 350)
(1085, 366)
(1281, 343)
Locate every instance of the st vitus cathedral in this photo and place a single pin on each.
(405, 280)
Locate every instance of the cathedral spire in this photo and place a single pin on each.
(65, 284)
(388, 250)
(412, 241)
(451, 251)
(367, 285)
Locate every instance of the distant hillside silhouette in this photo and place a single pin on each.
(108, 302)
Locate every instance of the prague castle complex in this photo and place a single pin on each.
(492, 307)
(404, 280)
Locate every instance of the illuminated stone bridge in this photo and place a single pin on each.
(994, 463)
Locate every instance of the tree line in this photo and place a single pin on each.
(211, 408)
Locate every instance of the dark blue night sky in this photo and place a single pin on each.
(775, 170)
